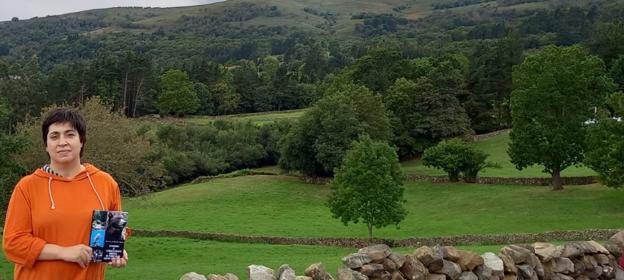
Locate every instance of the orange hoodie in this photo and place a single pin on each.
(45, 208)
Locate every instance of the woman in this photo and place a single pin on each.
(46, 232)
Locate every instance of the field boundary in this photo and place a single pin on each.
(468, 239)
(531, 181)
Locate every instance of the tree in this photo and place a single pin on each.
(617, 72)
(490, 84)
(555, 93)
(378, 69)
(368, 186)
(247, 82)
(10, 169)
(605, 148)
(607, 39)
(178, 96)
(422, 114)
(22, 89)
(319, 140)
(455, 158)
(226, 99)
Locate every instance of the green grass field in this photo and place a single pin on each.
(496, 147)
(256, 118)
(284, 206)
(169, 258)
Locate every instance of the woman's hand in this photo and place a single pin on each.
(80, 254)
(120, 262)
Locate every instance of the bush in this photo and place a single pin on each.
(189, 151)
(456, 158)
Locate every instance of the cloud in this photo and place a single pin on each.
(31, 8)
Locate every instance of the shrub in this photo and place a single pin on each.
(456, 158)
(189, 151)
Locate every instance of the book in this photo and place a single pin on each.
(108, 234)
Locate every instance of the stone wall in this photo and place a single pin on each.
(574, 260)
(511, 180)
(466, 239)
(585, 180)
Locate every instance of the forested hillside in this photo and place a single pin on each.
(249, 56)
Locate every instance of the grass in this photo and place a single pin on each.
(169, 258)
(496, 147)
(256, 118)
(284, 206)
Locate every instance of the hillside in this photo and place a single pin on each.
(237, 29)
(306, 14)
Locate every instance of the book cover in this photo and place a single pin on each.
(108, 234)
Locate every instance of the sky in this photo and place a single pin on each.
(26, 9)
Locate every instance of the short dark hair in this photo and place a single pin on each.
(65, 115)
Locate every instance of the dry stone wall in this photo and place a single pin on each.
(574, 260)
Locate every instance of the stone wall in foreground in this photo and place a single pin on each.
(573, 260)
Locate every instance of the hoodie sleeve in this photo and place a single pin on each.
(19, 244)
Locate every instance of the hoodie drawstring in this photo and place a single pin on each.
(50, 193)
(96, 193)
(52, 205)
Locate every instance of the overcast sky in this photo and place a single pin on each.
(25, 9)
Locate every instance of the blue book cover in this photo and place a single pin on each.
(108, 234)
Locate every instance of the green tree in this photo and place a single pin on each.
(422, 114)
(605, 148)
(247, 83)
(22, 88)
(318, 141)
(617, 72)
(368, 186)
(178, 94)
(555, 93)
(490, 84)
(206, 100)
(225, 97)
(378, 69)
(607, 39)
(10, 169)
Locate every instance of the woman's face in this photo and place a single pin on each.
(63, 144)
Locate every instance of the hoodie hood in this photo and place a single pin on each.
(89, 170)
(85, 174)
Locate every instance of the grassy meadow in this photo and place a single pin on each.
(496, 147)
(161, 258)
(284, 206)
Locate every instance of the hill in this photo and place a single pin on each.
(236, 29)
